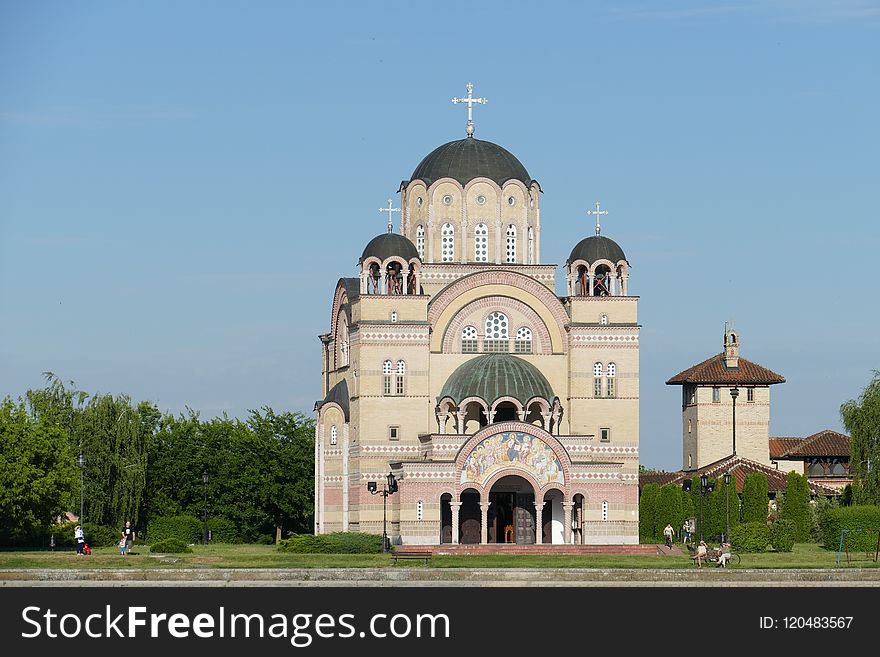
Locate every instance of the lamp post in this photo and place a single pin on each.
(727, 501)
(704, 481)
(734, 393)
(389, 489)
(81, 461)
(205, 530)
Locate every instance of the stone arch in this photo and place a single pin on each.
(463, 459)
(541, 339)
(451, 299)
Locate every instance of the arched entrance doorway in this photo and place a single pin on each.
(511, 517)
(446, 518)
(469, 517)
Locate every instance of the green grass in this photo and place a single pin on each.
(804, 555)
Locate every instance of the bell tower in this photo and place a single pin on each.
(731, 347)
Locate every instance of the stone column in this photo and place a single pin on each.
(547, 416)
(521, 414)
(456, 507)
(539, 523)
(590, 291)
(484, 522)
(461, 415)
(566, 521)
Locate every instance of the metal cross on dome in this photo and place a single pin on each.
(597, 212)
(471, 101)
(389, 210)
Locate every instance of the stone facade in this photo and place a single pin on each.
(507, 465)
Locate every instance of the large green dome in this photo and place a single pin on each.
(466, 159)
(497, 375)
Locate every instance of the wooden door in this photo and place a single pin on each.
(525, 518)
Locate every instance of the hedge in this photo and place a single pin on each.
(223, 530)
(750, 537)
(185, 528)
(170, 546)
(782, 535)
(336, 543)
(850, 517)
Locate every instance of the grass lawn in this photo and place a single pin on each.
(804, 555)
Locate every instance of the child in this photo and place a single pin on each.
(122, 543)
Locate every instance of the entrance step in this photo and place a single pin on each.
(569, 550)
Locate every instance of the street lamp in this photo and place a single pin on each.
(734, 393)
(727, 501)
(704, 482)
(81, 461)
(205, 482)
(389, 489)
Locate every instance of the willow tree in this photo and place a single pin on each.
(862, 420)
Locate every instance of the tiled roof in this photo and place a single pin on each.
(713, 370)
(661, 478)
(738, 467)
(824, 443)
(780, 447)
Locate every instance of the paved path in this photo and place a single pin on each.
(442, 577)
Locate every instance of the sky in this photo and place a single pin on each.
(182, 184)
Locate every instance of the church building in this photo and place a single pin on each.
(506, 412)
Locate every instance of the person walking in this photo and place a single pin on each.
(128, 535)
(669, 533)
(701, 553)
(122, 545)
(80, 538)
(686, 532)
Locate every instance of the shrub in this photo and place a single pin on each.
(797, 505)
(185, 528)
(755, 498)
(850, 517)
(265, 539)
(101, 535)
(818, 509)
(170, 546)
(668, 509)
(782, 535)
(223, 530)
(336, 543)
(750, 537)
(648, 512)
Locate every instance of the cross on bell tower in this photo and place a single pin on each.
(389, 210)
(471, 101)
(597, 212)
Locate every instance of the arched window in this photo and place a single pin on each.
(333, 435)
(523, 343)
(531, 246)
(604, 510)
(816, 468)
(420, 510)
(386, 378)
(469, 343)
(511, 243)
(420, 241)
(603, 320)
(481, 243)
(597, 380)
(401, 371)
(343, 343)
(447, 249)
(497, 336)
(609, 383)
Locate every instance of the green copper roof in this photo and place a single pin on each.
(497, 375)
(466, 159)
(597, 247)
(390, 244)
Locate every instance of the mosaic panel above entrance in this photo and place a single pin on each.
(512, 450)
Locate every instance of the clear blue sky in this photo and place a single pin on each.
(182, 183)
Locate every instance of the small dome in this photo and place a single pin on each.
(338, 394)
(497, 375)
(596, 248)
(390, 244)
(466, 159)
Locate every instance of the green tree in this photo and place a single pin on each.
(668, 510)
(37, 474)
(862, 420)
(755, 498)
(648, 512)
(796, 508)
